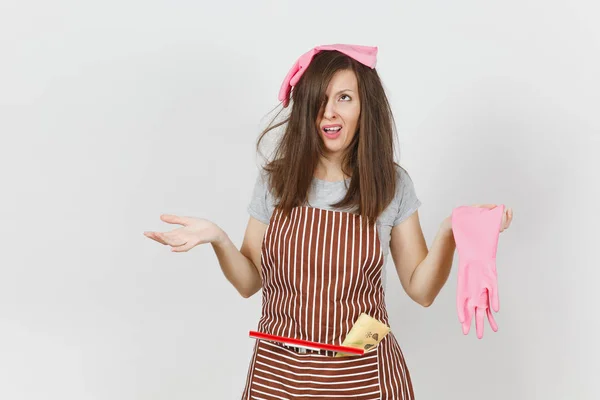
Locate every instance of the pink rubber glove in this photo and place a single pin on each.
(366, 55)
(476, 231)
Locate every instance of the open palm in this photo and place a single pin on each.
(194, 231)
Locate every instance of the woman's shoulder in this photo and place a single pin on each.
(405, 200)
(261, 202)
(403, 179)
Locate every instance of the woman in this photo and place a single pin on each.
(325, 214)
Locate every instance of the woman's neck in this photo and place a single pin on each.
(330, 170)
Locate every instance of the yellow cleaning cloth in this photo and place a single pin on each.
(366, 333)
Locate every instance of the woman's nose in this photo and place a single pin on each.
(329, 111)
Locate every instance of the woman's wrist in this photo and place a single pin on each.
(446, 225)
(221, 240)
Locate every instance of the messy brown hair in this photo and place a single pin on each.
(369, 158)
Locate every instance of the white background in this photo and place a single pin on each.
(114, 112)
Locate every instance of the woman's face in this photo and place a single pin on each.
(338, 119)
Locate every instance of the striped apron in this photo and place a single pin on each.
(320, 270)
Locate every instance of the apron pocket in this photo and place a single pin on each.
(282, 372)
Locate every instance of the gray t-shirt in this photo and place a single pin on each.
(323, 193)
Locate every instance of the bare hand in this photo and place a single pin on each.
(194, 231)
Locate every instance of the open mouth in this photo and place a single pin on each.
(332, 131)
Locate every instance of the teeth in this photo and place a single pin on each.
(332, 129)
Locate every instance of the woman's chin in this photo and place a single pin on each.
(333, 145)
(329, 149)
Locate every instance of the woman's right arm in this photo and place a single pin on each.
(242, 268)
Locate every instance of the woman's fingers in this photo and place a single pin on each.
(173, 238)
(168, 239)
(506, 218)
(193, 232)
(182, 248)
(509, 218)
(155, 236)
(175, 219)
(484, 205)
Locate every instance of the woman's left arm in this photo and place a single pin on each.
(424, 272)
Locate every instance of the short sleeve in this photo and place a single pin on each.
(259, 203)
(407, 201)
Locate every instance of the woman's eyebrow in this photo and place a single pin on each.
(345, 90)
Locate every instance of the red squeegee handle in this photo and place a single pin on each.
(306, 343)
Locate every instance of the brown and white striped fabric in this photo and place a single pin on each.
(321, 269)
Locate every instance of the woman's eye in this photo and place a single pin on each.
(345, 95)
